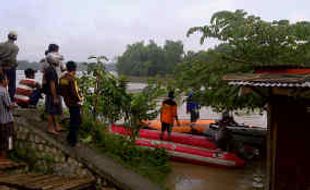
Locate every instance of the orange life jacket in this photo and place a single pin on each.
(168, 111)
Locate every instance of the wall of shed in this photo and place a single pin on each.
(289, 144)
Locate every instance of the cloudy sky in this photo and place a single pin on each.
(105, 27)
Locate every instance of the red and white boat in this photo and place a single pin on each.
(185, 147)
(181, 138)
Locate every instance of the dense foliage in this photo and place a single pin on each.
(107, 100)
(245, 42)
(150, 60)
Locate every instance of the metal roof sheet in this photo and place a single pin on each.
(269, 80)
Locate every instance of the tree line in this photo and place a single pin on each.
(150, 59)
(82, 66)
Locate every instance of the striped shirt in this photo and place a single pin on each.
(6, 115)
(24, 90)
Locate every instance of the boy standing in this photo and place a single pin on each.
(72, 97)
(6, 118)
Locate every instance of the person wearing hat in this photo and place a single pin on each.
(168, 113)
(69, 90)
(8, 63)
(28, 91)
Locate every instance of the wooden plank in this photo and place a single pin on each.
(76, 184)
(15, 181)
(58, 183)
(38, 179)
(46, 183)
(14, 178)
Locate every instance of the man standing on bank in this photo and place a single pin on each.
(70, 91)
(8, 63)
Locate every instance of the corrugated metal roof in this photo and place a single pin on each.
(269, 80)
(270, 84)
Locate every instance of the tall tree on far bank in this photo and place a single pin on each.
(150, 60)
(246, 42)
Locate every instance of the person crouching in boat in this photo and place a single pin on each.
(223, 137)
(168, 113)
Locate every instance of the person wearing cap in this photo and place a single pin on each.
(8, 63)
(168, 113)
(68, 88)
(28, 90)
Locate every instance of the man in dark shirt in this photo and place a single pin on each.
(52, 99)
(72, 97)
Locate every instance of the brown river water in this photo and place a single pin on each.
(196, 177)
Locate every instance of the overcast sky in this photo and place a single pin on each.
(105, 27)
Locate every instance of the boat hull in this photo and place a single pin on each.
(186, 139)
(195, 155)
(184, 147)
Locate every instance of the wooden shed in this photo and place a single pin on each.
(288, 107)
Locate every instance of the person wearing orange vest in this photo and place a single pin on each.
(168, 113)
(28, 90)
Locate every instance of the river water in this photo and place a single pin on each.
(195, 177)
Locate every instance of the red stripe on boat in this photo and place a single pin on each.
(181, 138)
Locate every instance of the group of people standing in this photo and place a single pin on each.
(59, 84)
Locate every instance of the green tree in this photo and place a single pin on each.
(245, 41)
(150, 60)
